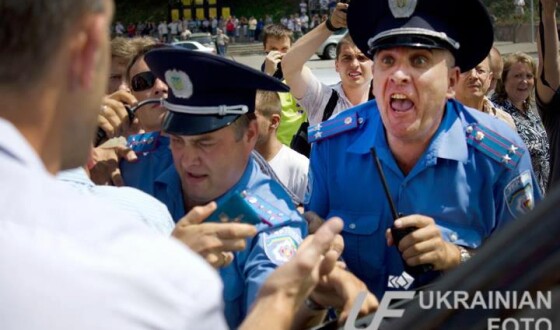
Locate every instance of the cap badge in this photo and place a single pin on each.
(180, 83)
(402, 8)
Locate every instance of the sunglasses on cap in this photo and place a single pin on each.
(142, 81)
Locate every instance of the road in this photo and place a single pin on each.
(324, 69)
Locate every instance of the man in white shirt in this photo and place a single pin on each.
(70, 261)
(290, 166)
(353, 67)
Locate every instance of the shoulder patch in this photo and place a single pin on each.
(494, 145)
(518, 194)
(339, 124)
(144, 142)
(281, 245)
(269, 214)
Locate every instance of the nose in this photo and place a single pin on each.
(160, 88)
(399, 76)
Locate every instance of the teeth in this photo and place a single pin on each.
(399, 96)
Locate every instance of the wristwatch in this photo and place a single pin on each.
(465, 254)
(331, 27)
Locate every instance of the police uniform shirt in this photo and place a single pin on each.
(278, 237)
(70, 261)
(152, 150)
(474, 177)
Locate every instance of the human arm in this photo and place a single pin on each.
(114, 119)
(215, 242)
(297, 75)
(548, 58)
(287, 287)
(425, 245)
(339, 290)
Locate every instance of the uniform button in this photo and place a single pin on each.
(479, 136)
(252, 200)
(453, 237)
(352, 226)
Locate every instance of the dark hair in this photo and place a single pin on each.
(31, 31)
(346, 40)
(277, 31)
(140, 52)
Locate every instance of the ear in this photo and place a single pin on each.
(252, 133)
(454, 73)
(85, 49)
(275, 121)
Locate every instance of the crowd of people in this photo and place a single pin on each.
(240, 29)
(192, 207)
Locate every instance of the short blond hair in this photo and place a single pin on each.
(268, 103)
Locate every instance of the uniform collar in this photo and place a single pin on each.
(243, 182)
(449, 141)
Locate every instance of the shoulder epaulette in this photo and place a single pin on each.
(269, 214)
(339, 124)
(144, 142)
(493, 145)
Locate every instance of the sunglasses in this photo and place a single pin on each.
(142, 81)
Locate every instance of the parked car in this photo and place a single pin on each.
(194, 45)
(204, 38)
(327, 50)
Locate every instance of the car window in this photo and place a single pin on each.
(187, 45)
(202, 39)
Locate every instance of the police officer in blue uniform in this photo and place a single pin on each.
(455, 175)
(212, 129)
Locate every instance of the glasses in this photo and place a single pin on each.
(143, 81)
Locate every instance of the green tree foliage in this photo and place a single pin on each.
(137, 10)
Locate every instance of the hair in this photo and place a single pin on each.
(277, 31)
(346, 40)
(36, 29)
(121, 48)
(139, 53)
(241, 124)
(496, 62)
(268, 103)
(509, 61)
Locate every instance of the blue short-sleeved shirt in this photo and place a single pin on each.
(275, 242)
(474, 178)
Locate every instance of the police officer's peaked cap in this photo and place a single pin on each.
(462, 26)
(206, 92)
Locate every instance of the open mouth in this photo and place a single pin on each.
(400, 103)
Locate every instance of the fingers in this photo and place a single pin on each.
(198, 214)
(274, 56)
(219, 259)
(369, 305)
(124, 152)
(313, 249)
(123, 96)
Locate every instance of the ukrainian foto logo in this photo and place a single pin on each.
(461, 300)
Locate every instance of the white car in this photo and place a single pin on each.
(327, 50)
(194, 45)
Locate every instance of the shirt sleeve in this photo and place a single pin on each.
(517, 191)
(315, 100)
(271, 249)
